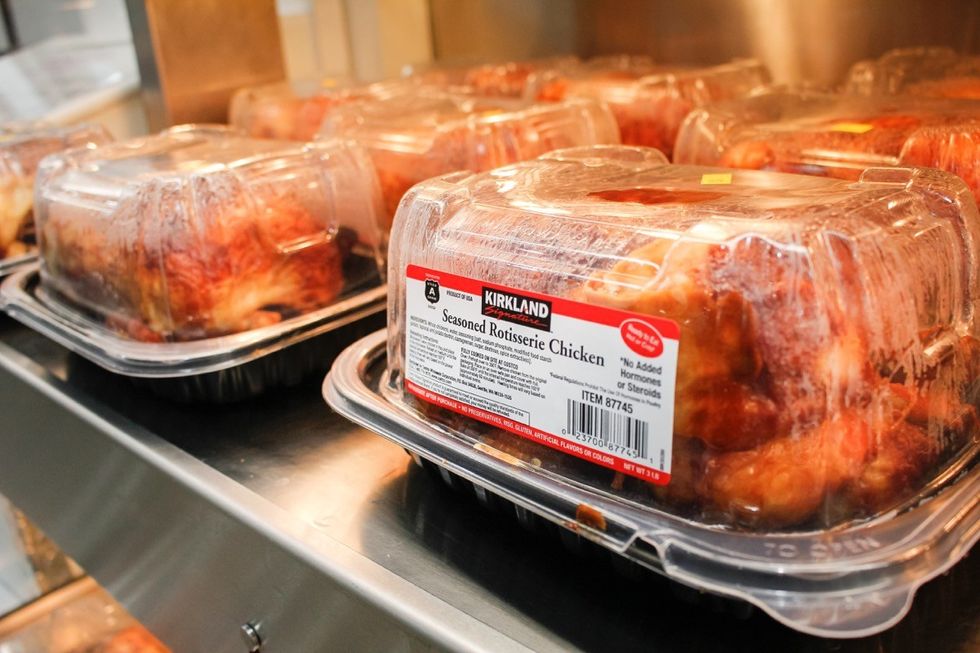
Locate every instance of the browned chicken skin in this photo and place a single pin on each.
(801, 400)
(755, 441)
(772, 455)
(21, 150)
(172, 282)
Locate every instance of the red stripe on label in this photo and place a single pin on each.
(578, 310)
(649, 474)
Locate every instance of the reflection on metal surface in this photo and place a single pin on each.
(506, 29)
(193, 54)
(192, 552)
(817, 39)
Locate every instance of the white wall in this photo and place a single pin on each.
(104, 20)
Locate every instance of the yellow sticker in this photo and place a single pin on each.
(851, 127)
(716, 179)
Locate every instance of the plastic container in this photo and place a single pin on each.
(194, 255)
(294, 111)
(223, 369)
(198, 232)
(739, 311)
(852, 581)
(923, 72)
(421, 134)
(650, 102)
(22, 146)
(835, 135)
(506, 79)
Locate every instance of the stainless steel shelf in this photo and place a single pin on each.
(277, 512)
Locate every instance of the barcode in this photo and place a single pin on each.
(610, 428)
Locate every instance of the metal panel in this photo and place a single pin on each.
(506, 29)
(815, 39)
(194, 554)
(193, 54)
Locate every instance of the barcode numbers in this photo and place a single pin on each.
(612, 430)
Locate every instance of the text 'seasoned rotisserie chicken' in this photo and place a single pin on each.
(506, 79)
(295, 111)
(22, 146)
(650, 102)
(835, 135)
(424, 133)
(924, 72)
(198, 232)
(743, 348)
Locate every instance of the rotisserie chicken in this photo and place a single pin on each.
(651, 102)
(423, 134)
(295, 112)
(836, 136)
(197, 233)
(811, 387)
(22, 146)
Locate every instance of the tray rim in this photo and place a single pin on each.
(121, 355)
(951, 518)
(11, 265)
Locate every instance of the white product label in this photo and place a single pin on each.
(593, 382)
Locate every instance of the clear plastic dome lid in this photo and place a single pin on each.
(923, 72)
(648, 100)
(295, 110)
(835, 135)
(22, 146)
(199, 232)
(416, 135)
(820, 363)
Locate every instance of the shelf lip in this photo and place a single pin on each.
(418, 613)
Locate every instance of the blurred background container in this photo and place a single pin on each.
(814, 40)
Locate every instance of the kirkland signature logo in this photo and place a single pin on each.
(518, 309)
